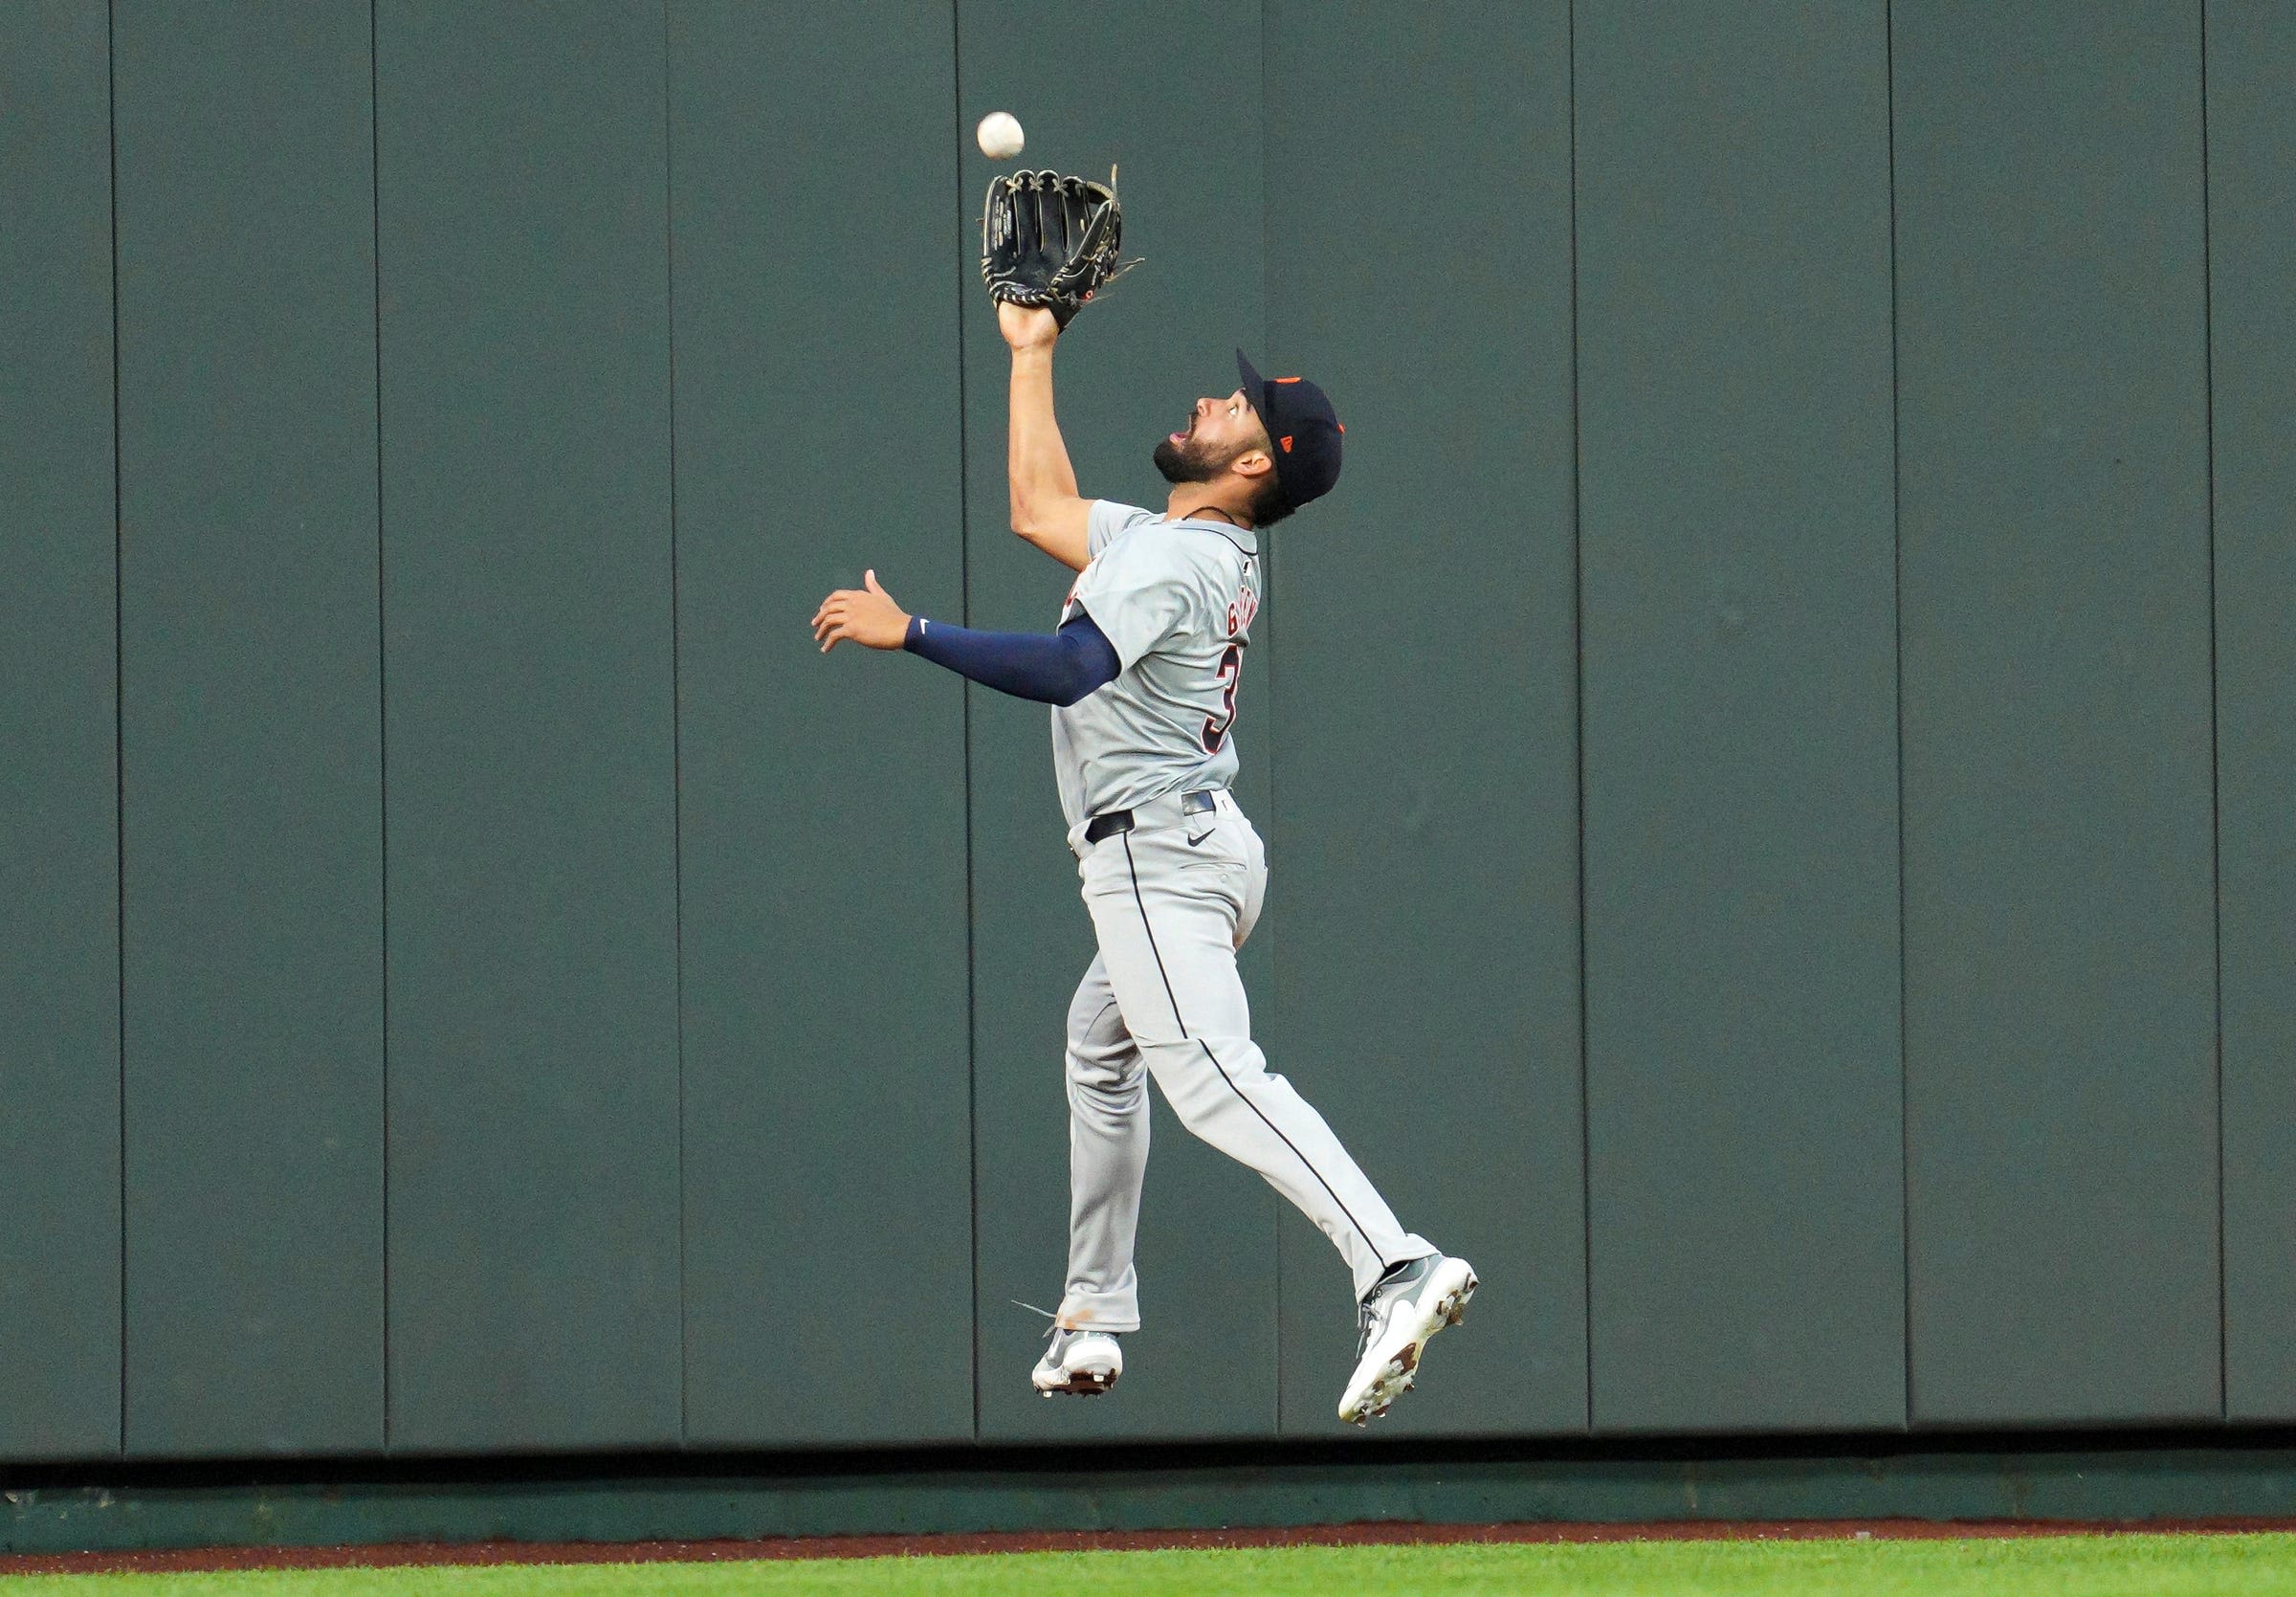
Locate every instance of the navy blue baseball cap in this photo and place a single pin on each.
(1303, 427)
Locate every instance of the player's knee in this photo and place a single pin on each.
(1194, 1091)
(1103, 1073)
(1101, 1050)
(1203, 1082)
(1107, 1100)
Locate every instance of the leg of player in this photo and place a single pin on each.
(1168, 903)
(1108, 1159)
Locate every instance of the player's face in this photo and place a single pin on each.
(1219, 433)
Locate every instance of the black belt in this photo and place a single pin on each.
(1120, 820)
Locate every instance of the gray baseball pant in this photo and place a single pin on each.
(1171, 901)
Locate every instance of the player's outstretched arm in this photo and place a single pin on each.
(1046, 507)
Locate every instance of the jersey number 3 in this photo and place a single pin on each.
(1215, 727)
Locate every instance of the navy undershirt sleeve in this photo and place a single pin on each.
(1051, 668)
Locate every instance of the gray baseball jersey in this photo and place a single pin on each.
(1177, 600)
(1172, 900)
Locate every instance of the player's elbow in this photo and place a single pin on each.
(1088, 663)
(1074, 686)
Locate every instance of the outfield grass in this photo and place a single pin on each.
(2059, 1566)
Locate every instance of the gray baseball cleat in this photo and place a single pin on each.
(1410, 1304)
(1082, 1364)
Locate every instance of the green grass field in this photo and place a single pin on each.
(2134, 1565)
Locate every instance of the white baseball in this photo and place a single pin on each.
(999, 135)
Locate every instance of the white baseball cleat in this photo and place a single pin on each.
(1083, 1363)
(1410, 1304)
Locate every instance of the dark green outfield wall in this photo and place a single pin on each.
(1777, 761)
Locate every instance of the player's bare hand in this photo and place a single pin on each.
(866, 614)
(1027, 327)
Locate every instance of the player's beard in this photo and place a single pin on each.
(1189, 461)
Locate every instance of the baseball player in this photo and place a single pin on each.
(1143, 675)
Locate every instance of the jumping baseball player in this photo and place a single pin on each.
(1143, 674)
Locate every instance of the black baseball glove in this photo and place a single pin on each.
(1050, 240)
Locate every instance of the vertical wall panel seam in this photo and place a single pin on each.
(1274, 976)
(111, 68)
(374, 117)
(2216, 774)
(964, 703)
(1586, 1166)
(1897, 648)
(677, 836)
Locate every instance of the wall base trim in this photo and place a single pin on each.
(291, 1503)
